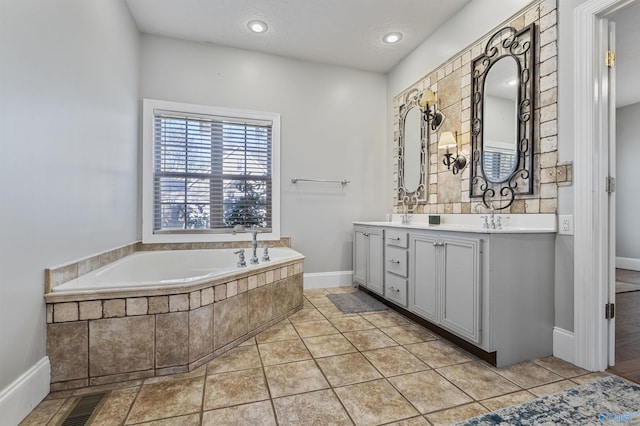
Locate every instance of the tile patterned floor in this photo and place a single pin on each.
(321, 367)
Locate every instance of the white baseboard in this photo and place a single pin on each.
(20, 397)
(564, 345)
(328, 279)
(628, 263)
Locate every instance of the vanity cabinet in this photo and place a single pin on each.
(396, 265)
(490, 292)
(368, 245)
(444, 282)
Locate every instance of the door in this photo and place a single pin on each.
(423, 277)
(609, 75)
(461, 286)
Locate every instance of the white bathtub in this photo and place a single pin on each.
(170, 268)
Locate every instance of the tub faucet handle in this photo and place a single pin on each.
(265, 253)
(241, 262)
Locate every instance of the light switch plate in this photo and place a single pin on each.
(565, 224)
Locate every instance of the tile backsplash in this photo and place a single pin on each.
(449, 193)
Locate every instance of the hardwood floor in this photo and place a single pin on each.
(627, 329)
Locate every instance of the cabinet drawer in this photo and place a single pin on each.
(396, 261)
(397, 238)
(396, 289)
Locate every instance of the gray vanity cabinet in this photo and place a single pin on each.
(396, 266)
(445, 282)
(368, 257)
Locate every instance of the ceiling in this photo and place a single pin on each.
(337, 32)
(627, 55)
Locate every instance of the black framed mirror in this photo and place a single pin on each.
(502, 119)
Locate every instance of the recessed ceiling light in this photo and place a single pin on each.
(257, 26)
(392, 37)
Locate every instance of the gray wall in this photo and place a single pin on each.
(333, 127)
(69, 80)
(627, 188)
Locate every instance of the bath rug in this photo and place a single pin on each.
(355, 302)
(611, 400)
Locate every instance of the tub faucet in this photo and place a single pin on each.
(265, 253)
(254, 245)
(241, 262)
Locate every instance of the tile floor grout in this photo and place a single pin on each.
(377, 322)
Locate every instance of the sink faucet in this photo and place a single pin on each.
(489, 221)
(254, 245)
(405, 218)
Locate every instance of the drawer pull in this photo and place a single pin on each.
(397, 290)
(393, 261)
(395, 238)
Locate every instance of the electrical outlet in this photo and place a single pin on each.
(565, 224)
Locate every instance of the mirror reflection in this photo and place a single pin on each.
(412, 141)
(500, 127)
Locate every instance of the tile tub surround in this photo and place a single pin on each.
(449, 193)
(301, 371)
(94, 339)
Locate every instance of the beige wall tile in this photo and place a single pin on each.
(114, 308)
(207, 296)
(159, 305)
(260, 306)
(121, 345)
(230, 320)
(200, 332)
(64, 312)
(137, 306)
(178, 302)
(172, 343)
(67, 349)
(91, 310)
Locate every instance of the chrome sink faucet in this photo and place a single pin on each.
(489, 221)
(405, 219)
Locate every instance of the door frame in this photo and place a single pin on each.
(591, 203)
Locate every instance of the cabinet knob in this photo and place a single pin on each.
(435, 244)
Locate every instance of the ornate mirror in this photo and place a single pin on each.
(502, 118)
(411, 153)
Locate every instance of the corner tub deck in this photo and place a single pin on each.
(164, 312)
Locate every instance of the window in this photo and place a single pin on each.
(208, 169)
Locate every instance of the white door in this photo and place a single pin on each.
(611, 77)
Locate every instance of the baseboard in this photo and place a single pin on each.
(628, 263)
(564, 345)
(328, 279)
(20, 397)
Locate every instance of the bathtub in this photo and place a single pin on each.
(170, 268)
(153, 313)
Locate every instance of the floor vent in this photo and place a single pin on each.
(84, 409)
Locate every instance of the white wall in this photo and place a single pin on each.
(473, 22)
(627, 189)
(69, 80)
(333, 127)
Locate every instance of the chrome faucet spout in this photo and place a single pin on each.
(254, 245)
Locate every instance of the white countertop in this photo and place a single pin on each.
(511, 223)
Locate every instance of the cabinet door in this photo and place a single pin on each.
(423, 276)
(461, 287)
(360, 254)
(375, 280)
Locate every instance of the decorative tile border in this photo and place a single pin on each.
(448, 193)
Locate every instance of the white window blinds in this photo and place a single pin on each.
(211, 173)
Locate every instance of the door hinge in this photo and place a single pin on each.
(610, 184)
(611, 58)
(610, 311)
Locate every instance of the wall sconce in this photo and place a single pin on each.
(428, 100)
(448, 140)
